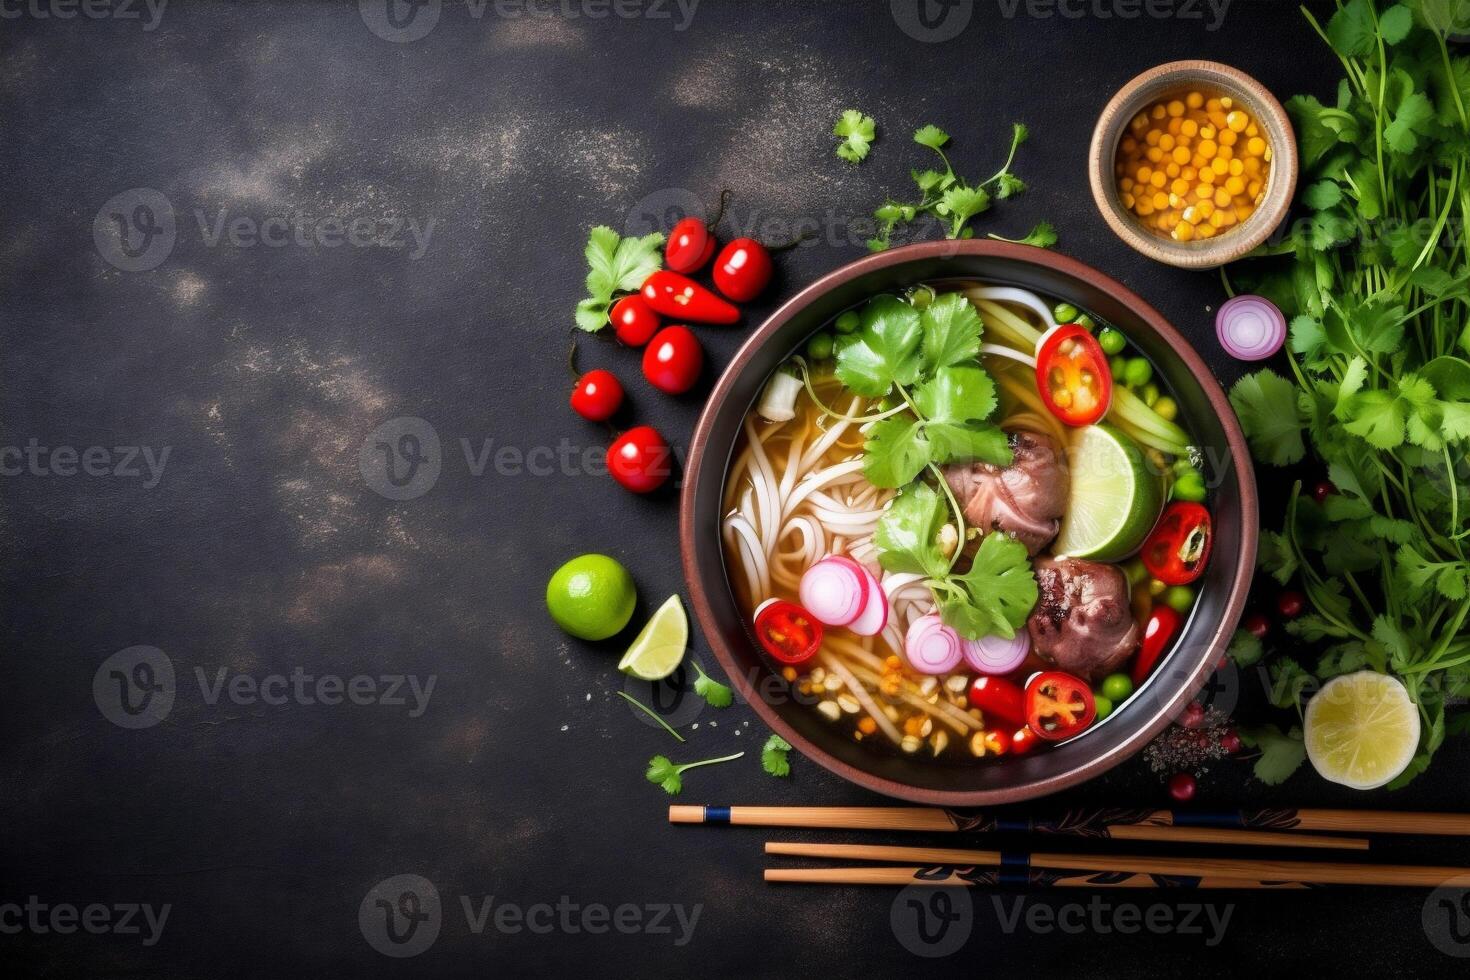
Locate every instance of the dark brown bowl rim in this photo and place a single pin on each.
(1165, 710)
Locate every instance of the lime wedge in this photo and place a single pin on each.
(1114, 500)
(1362, 729)
(659, 649)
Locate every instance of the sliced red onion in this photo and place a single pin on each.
(997, 655)
(1250, 328)
(874, 617)
(932, 647)
(835, 590)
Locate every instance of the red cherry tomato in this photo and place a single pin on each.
(1193, 716)
(1230, 742)
(1182, 786)
(743, 270)
(1058, 705)
(1073, 377)
(1257, 625)
(1322, 491)
(1290, 604)
(634, 321)
(681, 298)
(1179, 545)
(597, 395)
(690, 246)
(998, 700)
(787, 631)
(1024, 741)
(1163, 623)
(997, 742)
(673, 359)
(640, 459)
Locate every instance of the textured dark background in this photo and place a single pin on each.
(262, 549)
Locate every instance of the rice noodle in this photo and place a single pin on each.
(1011, 294)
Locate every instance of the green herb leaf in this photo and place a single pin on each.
(1245, 648)
(996, 595)
(896, 452)
(858, 132)
(908, 532)
(886, 348)
(715, 694)
(1281, 755)
(951, 331)
(615, 265)
(774, 756)
(663, 772)
(1042, 236)
(931, 136)
(1266, 404)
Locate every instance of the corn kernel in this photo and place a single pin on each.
(1237, 121)
(1172, 170)
(1207, 132)
(1154, 154)
(1213, 105)
(1166, 142)
(1252, 130)
(1208, 148)
(1207, 176)
(1222, 198)
(1237, 167)
(1189, 128)
(1158, 178)
(1194, 100)
(1235, 186)
(1255, 146)
(1228, 137)
(1184, 232)
(1151, 137)
(1181, 155)
(1205, 230)
(1220, 166)
(1158, 112)
(1174, 126)
(1161, 200)
(1205, 208)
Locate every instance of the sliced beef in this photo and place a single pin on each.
(1026, 498)
(1083, 622)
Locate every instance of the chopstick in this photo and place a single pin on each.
(1266, 870)
(968, 877)
(946, 821)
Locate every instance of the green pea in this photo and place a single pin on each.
(1167, 408)
(848, 322)
(819, 348)
(1104, 705)
(1086, 323)
(1117, 687)
(1065, 313)
(1179, 598)
(1149, 394)
(1137, 373)
(921, 298)
(1112, 341)
(1136, 572)
(1190, 486)
(1119, 366)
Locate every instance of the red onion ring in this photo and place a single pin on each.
(834, 590)
(874, 617)
(931, 647)
(1250, 328)
(997, 655)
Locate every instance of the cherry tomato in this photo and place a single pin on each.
(1290, 604)
(1230, 742)
(1179, 546)
(1322, 491)
(640, 459)
(1193, 717)
(997, 742)
(634, 321)
(1058, 705)
(1024, 741)
(999, 700)
(682, 298)
(690, 246)
(1257, 625)
(1163, 623)
(1073, 377)
(787, 631)
(673, 359)
(743, 270)
(1182, 786)
(597, 395)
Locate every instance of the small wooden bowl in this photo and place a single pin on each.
(1149, 88)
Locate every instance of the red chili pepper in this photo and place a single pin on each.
(997, 742)
(1058, 705)
(787, 631)
(682, 298)
(1024, 740)
(1179, 546)
(1162, 624)
(998, 700)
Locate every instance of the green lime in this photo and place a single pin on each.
(591, 597)
(659, 649)
(1114, 500)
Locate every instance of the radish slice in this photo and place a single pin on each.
(835, 590)
(1250, 328)
(932, 647)
(874, 617)
(997, 655)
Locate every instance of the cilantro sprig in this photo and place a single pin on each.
(665, 773)
(1375, 280)
(615, 265)
(858, 132)
(774, 756)
(715, 694)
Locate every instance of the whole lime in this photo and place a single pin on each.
(591, 597)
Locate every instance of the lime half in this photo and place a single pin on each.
(1361, 729)
(1114, 500)
(659, 649)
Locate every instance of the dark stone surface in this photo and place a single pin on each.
(261, 550)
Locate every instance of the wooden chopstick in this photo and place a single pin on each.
(1249, 869)
(944, 876)
(944, 821)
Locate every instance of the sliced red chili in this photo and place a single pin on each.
(787, 632)
(1058, 705)
(1179, 546)
(1073, 377)
(1158, 632)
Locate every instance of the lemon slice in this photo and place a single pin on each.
(659, 649)
(1114, 500)
(1361, 729)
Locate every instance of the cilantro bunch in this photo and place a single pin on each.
(615, 265)
(925, 365)
(1377, 286)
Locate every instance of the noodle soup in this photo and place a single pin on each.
(972, 531)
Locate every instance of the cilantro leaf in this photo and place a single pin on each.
(885, 349)
(950, 443)
(1395, 23)
(1350, 31)
(957, 394)
(931, 136)
(1322, 195)
(1266, 404)
(1245, 648)
(858, 132)
(615, 265)
(908, 532)
(1276, 556)
(895, 452)
(961, 203)
(1281, 755)
(996, 595)
(1042, 236)
(1411, 119)
(952, 330)
(715, 694)
(663, 772)
(774, 756)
